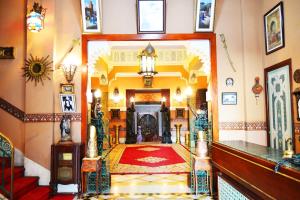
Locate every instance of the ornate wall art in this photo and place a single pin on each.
(223, 40)
(37, 69)
(297, 76)
(257, 88)
(274, 28)
(279, 104)
(297, 95)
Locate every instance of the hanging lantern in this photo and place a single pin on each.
(147, 61)
(35, 19)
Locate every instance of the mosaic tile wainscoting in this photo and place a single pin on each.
(226, 191)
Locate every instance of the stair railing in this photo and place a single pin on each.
(7, 160)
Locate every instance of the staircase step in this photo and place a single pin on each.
(40, 193)
(5, 160)
(18, 173)
(23, 185)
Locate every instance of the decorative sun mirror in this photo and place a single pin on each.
(37, 69)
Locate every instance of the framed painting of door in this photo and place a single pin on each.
(279, 104)
(211, 37)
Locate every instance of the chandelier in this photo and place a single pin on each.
(147, 64)
(35, 18)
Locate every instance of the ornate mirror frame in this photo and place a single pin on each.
(150, 37)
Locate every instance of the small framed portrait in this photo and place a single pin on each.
(179, 112)
(229, 98)
(67, 88)
(151, 16)
(205, 14)
(91, 16)
(229, 82)
(274, 29)
(68, 103)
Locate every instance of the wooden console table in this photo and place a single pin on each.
(91, 165)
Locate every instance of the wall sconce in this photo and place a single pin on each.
(116, 96)
(69, 71)
(35, 18)
(178, 95)
(188, 91)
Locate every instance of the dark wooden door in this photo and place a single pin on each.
(149, 126)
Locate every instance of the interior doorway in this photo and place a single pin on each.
(148, 117)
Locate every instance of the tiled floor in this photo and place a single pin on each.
(149, 187)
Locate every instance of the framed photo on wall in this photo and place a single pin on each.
(229, 98)
(279, 104)
(67, 88)
(205, 14)
(274, 29)
(91, 16)
(68, 103)
(151, 16)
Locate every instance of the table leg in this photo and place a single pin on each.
(97, 180)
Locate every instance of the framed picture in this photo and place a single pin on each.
(67, 88)
(205, 14)
(115, 113)
(179, 112)
(151, 16)
(229, 98)
(279, 111)
(274, 29)
(229, 82)
(91, 16)
(68, 103)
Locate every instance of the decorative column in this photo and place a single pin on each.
(130, 124)
(187, 139)
(117, 129)
(166, 129)
(178, 126)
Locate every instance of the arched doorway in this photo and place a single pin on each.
(211, 37)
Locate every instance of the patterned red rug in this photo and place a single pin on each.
(149, 159)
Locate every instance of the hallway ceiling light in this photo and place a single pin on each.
(35, 18)
(147, 62)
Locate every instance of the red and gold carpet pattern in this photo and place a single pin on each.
(149, 159)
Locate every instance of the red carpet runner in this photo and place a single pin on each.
(149, 159)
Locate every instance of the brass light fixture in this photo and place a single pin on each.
(147, 64)
(69, 71)
(35, 18)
